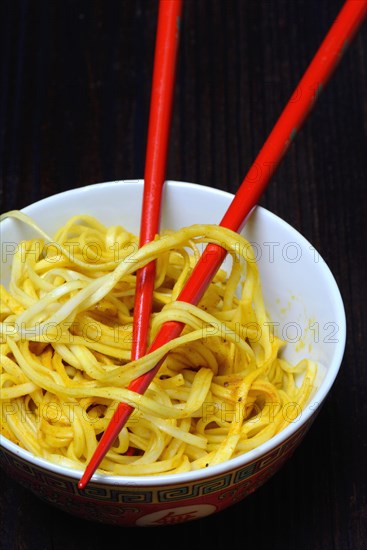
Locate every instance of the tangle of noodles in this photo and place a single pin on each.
(66, 323)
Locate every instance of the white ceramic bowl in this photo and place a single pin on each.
(303, 300)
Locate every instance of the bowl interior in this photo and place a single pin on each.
(300, 292)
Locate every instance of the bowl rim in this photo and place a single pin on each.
(233, 463)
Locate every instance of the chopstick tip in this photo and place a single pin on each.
(82, 483)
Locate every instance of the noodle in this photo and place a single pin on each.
(66, 326)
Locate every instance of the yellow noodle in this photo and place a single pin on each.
(223, 387)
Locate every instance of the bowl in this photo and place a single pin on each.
(303, 301)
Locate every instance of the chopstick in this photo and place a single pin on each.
(155, 167)
(316, 76)
(165, 59)
(169, 12)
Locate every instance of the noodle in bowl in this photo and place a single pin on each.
(305, 311)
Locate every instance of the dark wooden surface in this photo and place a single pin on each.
(74, 96)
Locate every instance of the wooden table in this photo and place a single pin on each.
(75, 85)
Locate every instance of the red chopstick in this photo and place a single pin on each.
(326, 59)
(165, 55)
